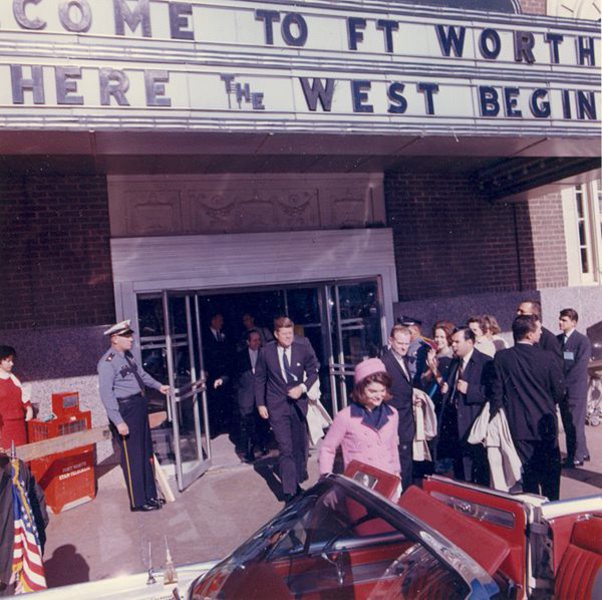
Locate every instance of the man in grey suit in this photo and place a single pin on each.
(246, 363)
(285, 371)
(576, 352)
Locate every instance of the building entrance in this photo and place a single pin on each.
(342, 319)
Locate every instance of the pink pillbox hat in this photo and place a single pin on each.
(368, 367)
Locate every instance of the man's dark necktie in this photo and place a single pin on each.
(134, 371)
(290, 377)
(460, 374)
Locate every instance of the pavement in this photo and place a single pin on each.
(102, 538)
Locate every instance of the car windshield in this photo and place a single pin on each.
(341, 541)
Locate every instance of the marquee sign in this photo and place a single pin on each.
(246, 65)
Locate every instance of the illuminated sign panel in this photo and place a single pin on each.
(241, 65)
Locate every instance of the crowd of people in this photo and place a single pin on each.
(496, 407)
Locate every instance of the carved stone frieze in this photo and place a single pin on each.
(173, 205)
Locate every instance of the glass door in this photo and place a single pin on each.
(354, 318)
(187, 402)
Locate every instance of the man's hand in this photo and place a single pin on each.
(218, 383)
(123, 429)
(29, 413)
(263, 412)
(164, 389)
(462, 386)
(296, 392)
(444, 388)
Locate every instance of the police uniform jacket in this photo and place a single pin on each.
(117, 380)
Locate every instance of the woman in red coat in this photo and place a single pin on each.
(15, 407)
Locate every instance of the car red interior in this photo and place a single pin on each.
(474, 502)
(581, 560)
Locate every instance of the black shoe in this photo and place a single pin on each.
(145, 507)
(249, 458)
(158, 502)
(586, 458)
(578, 463)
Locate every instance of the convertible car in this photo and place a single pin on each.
(346, 538)
(351, 537)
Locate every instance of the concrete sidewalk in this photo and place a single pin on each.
(215, 514)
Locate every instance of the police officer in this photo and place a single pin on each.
(122, 391)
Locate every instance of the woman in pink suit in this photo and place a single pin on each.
(366, 430)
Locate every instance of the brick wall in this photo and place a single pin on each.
(546, 224)
(451, 241)
(54, 248)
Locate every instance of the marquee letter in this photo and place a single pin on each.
(585, 105)
(523, 46)
(113, 82)
(316, 92)
(428, 89)
(511, 102)
(19, 85)
(398, 103)
(566, 105)
(493, 37)
(554, 39)
(65, 85)
(268, 17)
(85, 15)
(289, 38)
(488, 100)
(180, 21)
(153, 83)
(21, 17)
(140, 15)
(388, 27)
(360, 96)
(585, 49)
(540, 108)
(354, 36)
(452, 40)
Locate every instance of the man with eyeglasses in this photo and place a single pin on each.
(122, 385)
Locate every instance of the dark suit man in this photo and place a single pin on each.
(576, 354)
(284, 372)
(548, 340)
(528, 385)
(396, 363)
(246, 363)
(218, 354)
(464, 394)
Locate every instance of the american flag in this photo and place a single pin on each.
(28, 568)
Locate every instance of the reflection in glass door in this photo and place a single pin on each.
(356, 332)
(187, 406)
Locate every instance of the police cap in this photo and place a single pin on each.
(121, 328)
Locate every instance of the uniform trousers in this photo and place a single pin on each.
(136, 450)
(541, 466)
(290, 431)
